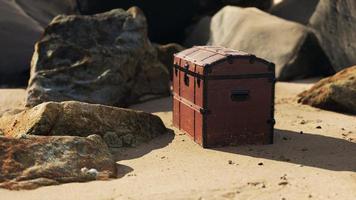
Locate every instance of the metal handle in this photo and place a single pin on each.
(240, 95)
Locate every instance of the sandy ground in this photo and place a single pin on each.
(318, 164)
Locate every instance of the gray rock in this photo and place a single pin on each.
(291, 46)
(336, 93)
(83, 119)
(334, 23)
(105, 58)
(31, 162)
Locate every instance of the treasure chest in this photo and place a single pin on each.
(223, 97)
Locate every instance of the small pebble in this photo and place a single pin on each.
(230, 162)
(318, 127)
(93, 172)
(283, 183)
(301, 132)
(261, 163)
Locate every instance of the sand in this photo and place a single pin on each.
(318, 164)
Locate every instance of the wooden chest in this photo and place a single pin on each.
(223, 97)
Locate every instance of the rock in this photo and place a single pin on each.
(295, 10)
(291, 46)
(335, 25)
(166, 53)
(21, 25)
(31, 162)
(105, 58)
(336, 93)
(118, 126)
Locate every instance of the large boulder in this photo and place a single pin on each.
(31, 162)
(119, 127)
(291, 46)
(21, 25)
(105, 58)
(335, 25)
(337, 93)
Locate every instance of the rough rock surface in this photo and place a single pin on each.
(83, 119)
(291, 46)
(21, 25)
(105, 58)
(337, 93)
(335, 25)
(31, 162)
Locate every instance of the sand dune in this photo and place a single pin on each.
(318, 164)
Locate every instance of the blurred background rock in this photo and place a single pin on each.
(188, 22)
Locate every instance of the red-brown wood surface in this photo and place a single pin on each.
(238, 122)
(223, 97)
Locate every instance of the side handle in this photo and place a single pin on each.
(240, 95)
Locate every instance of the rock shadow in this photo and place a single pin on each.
(305, 149)
(163, 104)
(128, 153)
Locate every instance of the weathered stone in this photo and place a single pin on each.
(291, 46)
(34, 161)
(83, 119)
(337, 93)
(334, 23)
(105, 58)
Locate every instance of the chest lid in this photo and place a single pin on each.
(209, 55)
